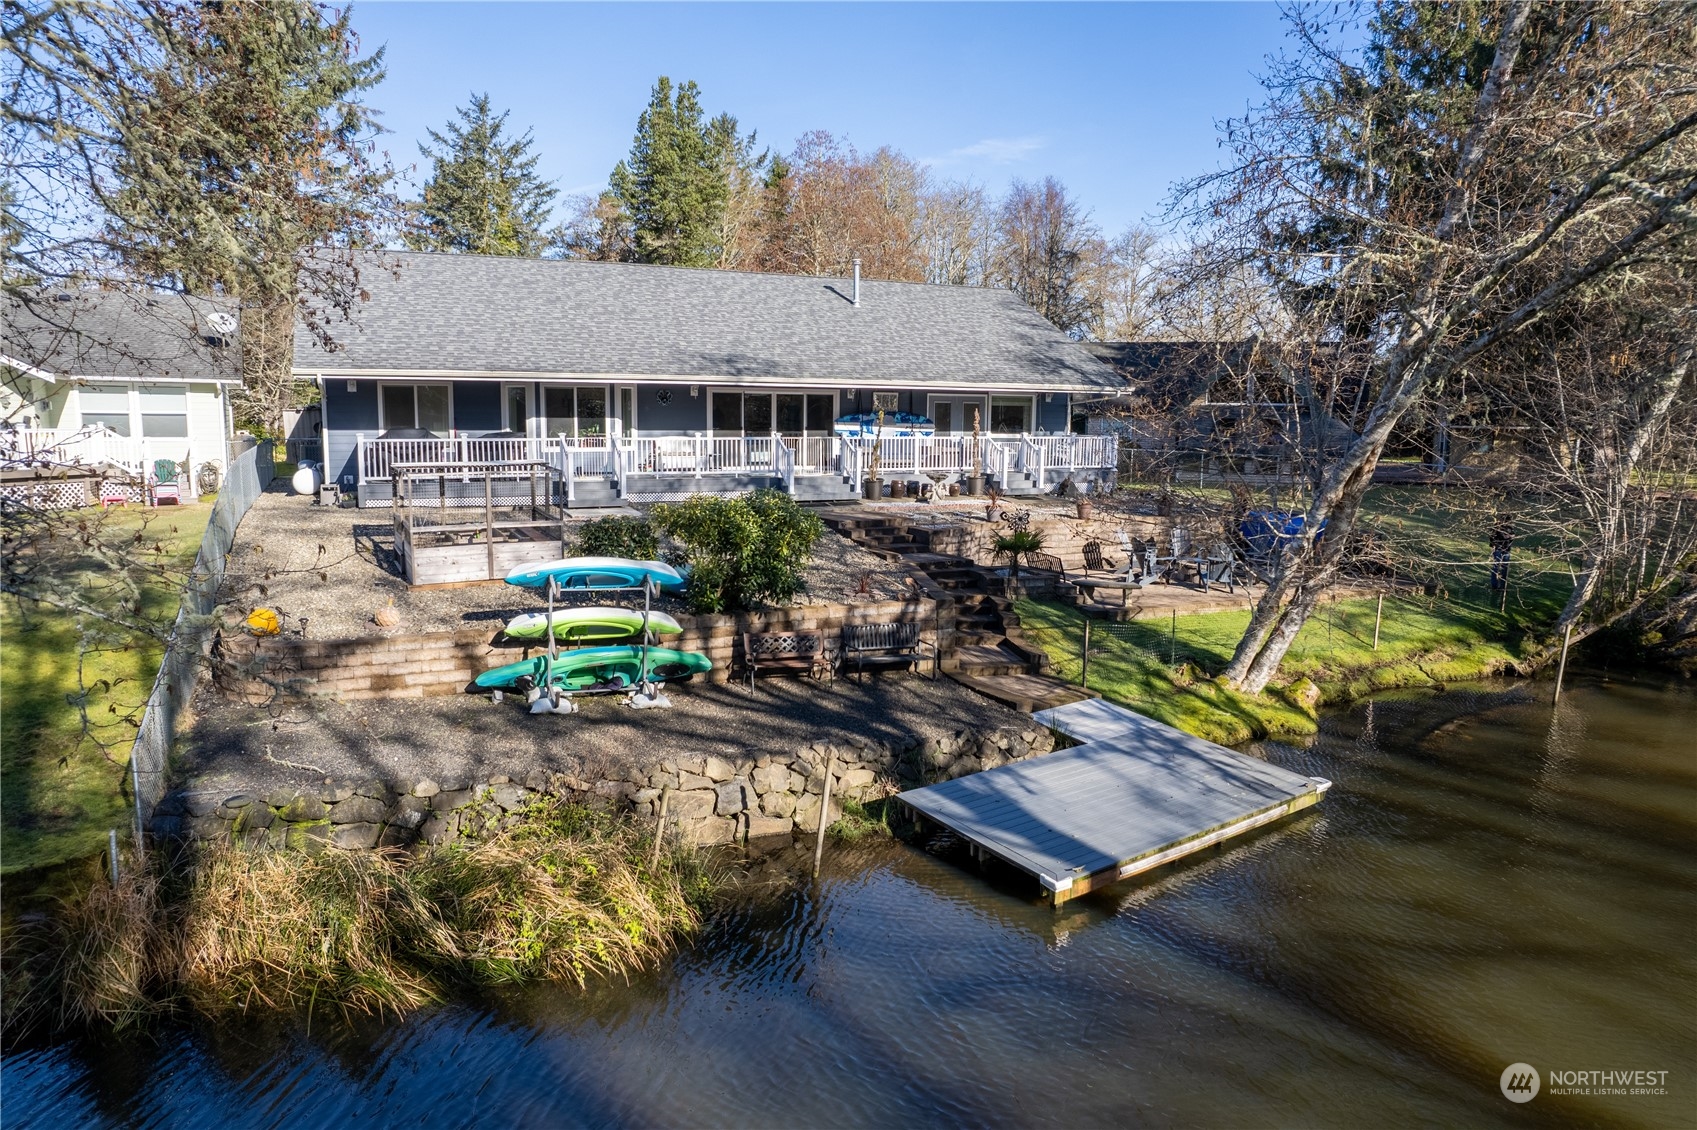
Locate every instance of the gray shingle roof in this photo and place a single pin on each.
(133, 336)
(482, 314)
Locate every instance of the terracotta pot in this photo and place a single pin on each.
(1084, 509)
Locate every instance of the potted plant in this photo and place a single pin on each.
(874, 487)
(1015, 545)
(975, 477)
(993, 507)
(1084, 508)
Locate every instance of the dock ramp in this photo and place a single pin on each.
(1136, 794)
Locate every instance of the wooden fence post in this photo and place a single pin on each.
(824, 813)
(1084, 660)
(1561, 668)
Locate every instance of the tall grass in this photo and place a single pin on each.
(563, 895)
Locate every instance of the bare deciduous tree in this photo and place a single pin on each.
(1483, 168)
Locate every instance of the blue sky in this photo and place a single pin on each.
(1117, 100)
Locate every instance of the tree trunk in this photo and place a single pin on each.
(268, 359)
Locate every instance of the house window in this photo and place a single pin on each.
(164, 412)
(578, 411)
(1010, 414)
(107, 406)
(417, 406)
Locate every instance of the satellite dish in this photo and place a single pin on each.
(223, 321)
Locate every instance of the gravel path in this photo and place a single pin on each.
(336, 568)
(465, 737)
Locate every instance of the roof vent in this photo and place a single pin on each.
(856, 298)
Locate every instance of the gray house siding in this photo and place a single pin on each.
(477, 407)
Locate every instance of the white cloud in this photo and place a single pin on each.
(995, 150)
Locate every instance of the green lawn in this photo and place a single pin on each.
(1465, 631)
(60, 788)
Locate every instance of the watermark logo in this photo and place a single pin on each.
(1519, 1082)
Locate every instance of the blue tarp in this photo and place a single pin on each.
(1269, 531)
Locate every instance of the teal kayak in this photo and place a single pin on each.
(596, 669)
(597, 573)
(573, 624)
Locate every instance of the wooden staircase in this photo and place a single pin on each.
(988, 653)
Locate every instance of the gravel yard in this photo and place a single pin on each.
(468, 738)
(336, 568)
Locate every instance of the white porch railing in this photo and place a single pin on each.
(786, 457)
(89, 447)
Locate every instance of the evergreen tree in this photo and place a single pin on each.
(240, 162)
(484, 195)
(674, 185)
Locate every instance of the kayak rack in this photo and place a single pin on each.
(647, 588)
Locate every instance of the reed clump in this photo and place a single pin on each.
(561, 894)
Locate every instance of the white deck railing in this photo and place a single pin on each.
(622, 459)
(88, 447)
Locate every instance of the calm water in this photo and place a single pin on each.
(1489, 881)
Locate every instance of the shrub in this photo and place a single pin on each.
(1016, 546)
(618, 537)
(742, 551)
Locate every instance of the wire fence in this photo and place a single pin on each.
(250, 474)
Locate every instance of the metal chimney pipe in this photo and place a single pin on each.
(856, 299)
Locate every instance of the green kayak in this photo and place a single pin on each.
(573, 624)
(594, 669)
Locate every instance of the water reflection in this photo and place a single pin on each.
(1488, 881)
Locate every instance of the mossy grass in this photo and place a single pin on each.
(563, 894)
(1423, 641)
(61, 783)
(861, 819)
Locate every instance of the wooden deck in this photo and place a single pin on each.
(1135, 795)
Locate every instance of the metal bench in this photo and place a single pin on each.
(885, 645)
(782, 653)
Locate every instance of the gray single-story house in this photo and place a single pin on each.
(642, 382)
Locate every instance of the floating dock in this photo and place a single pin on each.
(1136, 794)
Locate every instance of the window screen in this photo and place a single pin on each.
(106, 406)
(164, 411)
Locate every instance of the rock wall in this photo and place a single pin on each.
(262, 669)
(707, 800)
(1063, 536)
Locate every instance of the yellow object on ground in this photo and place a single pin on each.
(264, 622)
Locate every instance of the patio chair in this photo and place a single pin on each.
(1095, 561)
(164, 485)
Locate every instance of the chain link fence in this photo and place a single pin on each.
(250, 474)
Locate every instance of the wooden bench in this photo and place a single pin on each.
(885, 645)
(781, 652)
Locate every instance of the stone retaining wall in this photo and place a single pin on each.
(1063, 536)
(261, 669)
(708, 800)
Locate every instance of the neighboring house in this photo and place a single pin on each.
(644, 382)
(95, 376)
(1221, 399)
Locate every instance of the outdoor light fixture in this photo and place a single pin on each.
(695, 390)
(353, 386)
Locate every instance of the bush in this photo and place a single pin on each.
(618, 537)
(742, 551)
